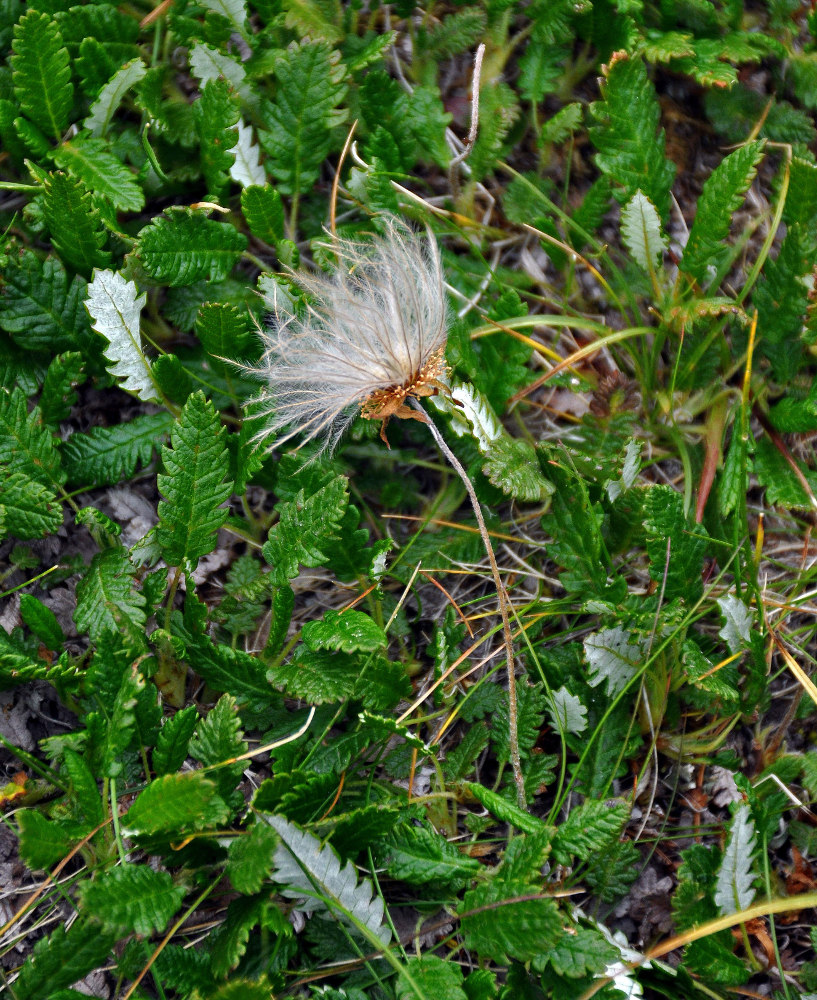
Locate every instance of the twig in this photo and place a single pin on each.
(502, 595)
(453, 177)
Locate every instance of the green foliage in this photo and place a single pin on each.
(193, 485)
(176, 802)
(183, 246)
(132, 899)
(41, 73)
(105, 455)
(106, 598)
(722, 196)
(63, 958)
(301, 121)
(629, 142)
(74, 222)
(675, 548)
(41, 308)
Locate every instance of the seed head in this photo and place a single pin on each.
(373, 336)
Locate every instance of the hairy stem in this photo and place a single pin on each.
(502, 595)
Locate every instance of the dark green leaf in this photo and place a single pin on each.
(349, 631)
(106, 598)
(589, 830)
(193, 484)
(27, 508)
(182, 246)
(132, 899)
(176, 802)
(250, 861)
(264, 212)
(42, 73)
(39, 307)
(63, 958)
(174, 739)
(74, 222)
(503, 920)
(105, 455)
(417, 855)
(675, 547)
(90, 161)
(42, 621)
(26, 445)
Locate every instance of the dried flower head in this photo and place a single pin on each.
(373, 336)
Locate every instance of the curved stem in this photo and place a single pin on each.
(502, 595)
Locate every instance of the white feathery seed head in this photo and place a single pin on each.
(373, 336)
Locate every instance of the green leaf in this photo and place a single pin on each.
(417, 855)
(541, 68)
(89, 160)
(509, 920)
(58, 396)
(251, 858)
(305, 529)
(74, 222)
(668, 531)
(317, 677)
(42, 621)
(734, 890)
(504, 810)
(512, 466)
(219, 738)
(721, 197)
(224, 330)
(62, 959)
(106, 599)
(302, 118)
(111, 96)
(641, 232)
(264, 212)
(215, 113)
(312, 875)
(27, 508)
(172, 744)
(174, 803)
(563, 124)
(430, 976)
(629, 143)
(349, 631)
(783, 485)
(44, 842)
(40, 308)
(26, 445)
(585, 952)
(193, 484)
(105, 455)
(234, 11)
(41, 73)
(172, 378)
(589, 830)
(132, 899)
(182, 246)
(732, 484)
(114, 307)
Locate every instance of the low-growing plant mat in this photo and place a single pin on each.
(259, 727)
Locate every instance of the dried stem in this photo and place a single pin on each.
(502, 595)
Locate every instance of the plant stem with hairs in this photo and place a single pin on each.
(502, 596)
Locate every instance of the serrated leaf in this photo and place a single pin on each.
(41, 72)
(732, 485)
(500, 920)
(105, 455)
(504, 810)
(215, 114)
(613, 655)
(590, 828)
(111, 96)
(44, 842)
(183, 246)
(173, 741)
(301, 120)
(74, 222)
(783, 485)
(668, 530)
(62, 959)
(27, 508)
(26, 444)
(349, 631)
(106, 598)
(208, 64)
(512, 466)
(264, 212)
(176, 802)
(312, 875)
(224, 330)
(42, 621)
(304, 530)
(58, 394)
(39, 307)
(90, 160)
(251, 858)
(233, 10)
(567, 713)
(114, 306)
(317, 677)
(219, 738)
(247, 169)
(417, 855)
(430, 976)
(641, 232)
(722, 195)
(734, 889)
(584, 952)
(193, 484)
(132, 899)
(628, 139)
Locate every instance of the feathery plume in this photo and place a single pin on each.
(372, 338)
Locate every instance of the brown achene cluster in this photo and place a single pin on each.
(391, 402)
